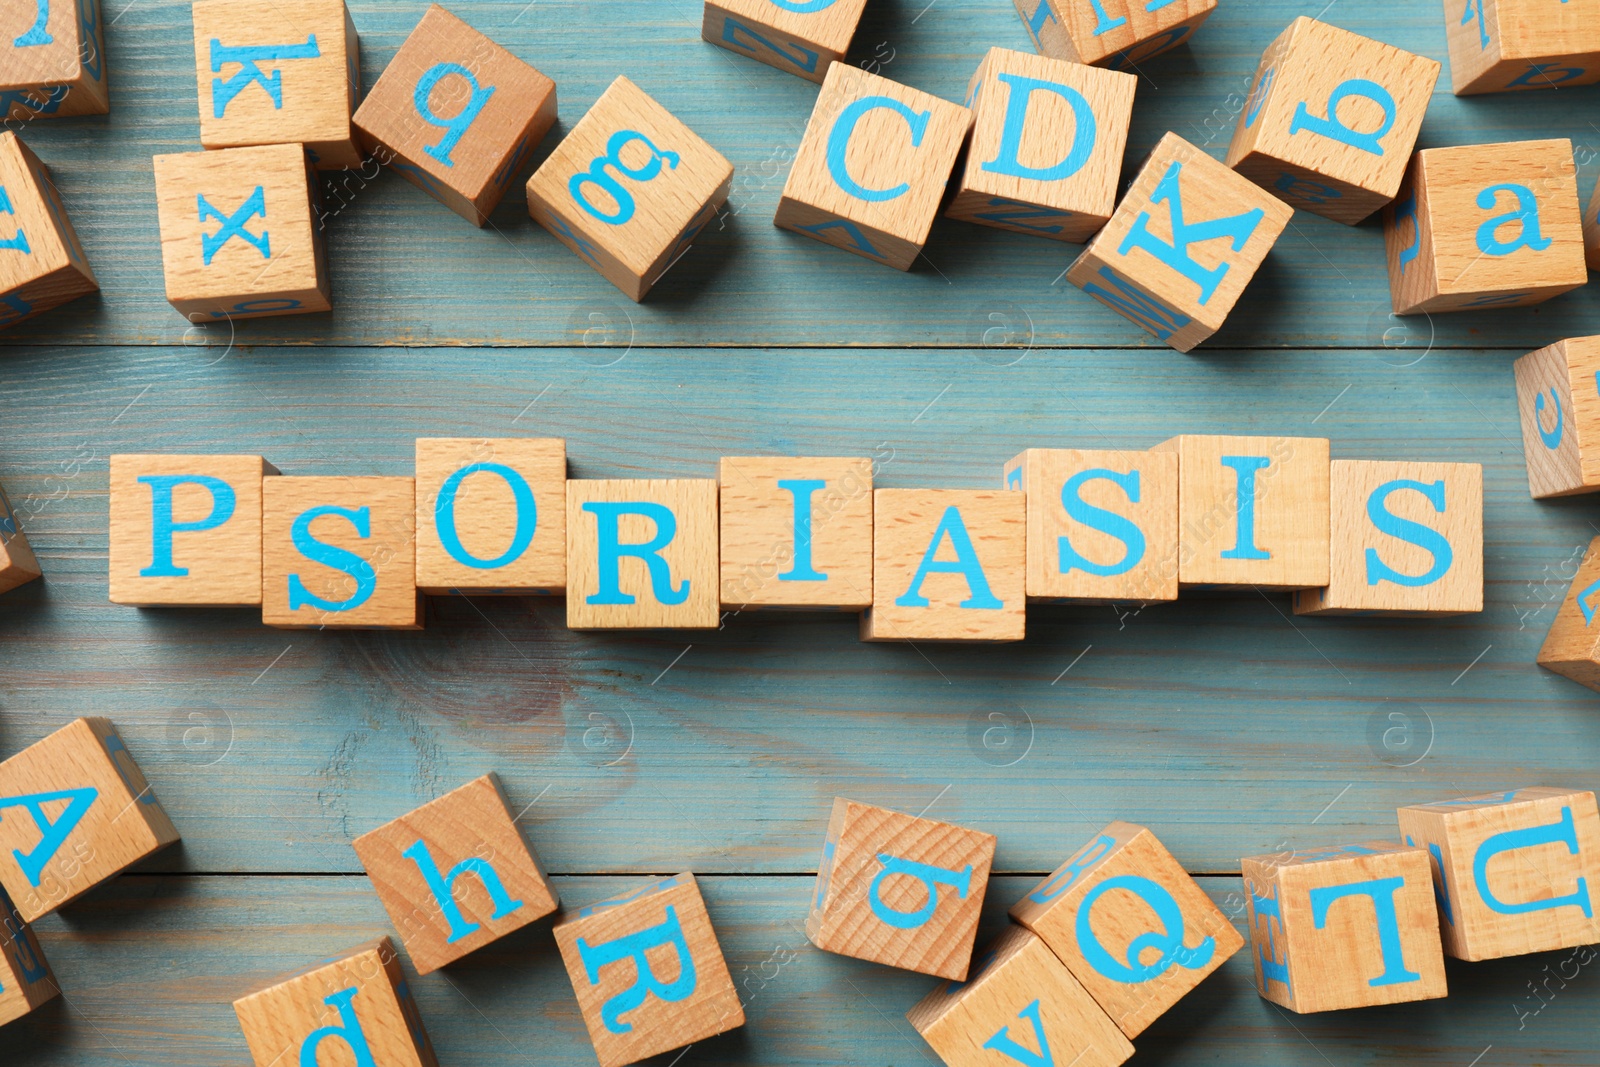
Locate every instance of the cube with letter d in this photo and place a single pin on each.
(642, 554)
(796, 532)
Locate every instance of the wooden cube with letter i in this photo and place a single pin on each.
(1181, 247)
(796, 532)
(642, 554)
(25, 978)
(1572, 647)
(1513, 45)
(648, 971)
(900, 890)
(52, 60)
(1558, 399)
(872, 166)
(42, 264)
(799, 36)
(18, 564)
(1117, 34)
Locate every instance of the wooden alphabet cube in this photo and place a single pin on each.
(1332, 120)
(796, 532)
(1117, 34)
(1404, 539)
(18, 565)
(75, 811)
(419, 865)
(900, 890)
(1511, 45)
(1130, 924)
(948, 565)
(1348, 926)
(457, 115)
(356, 1006)
(25, 978)
(1021, 1006)
(52, 60)
(1572, 647)
(491, 515)
(1102, 525)
(872, 166)
(648, 971)
(642, 554)
(1511, 870)
(279, 72)
(1485, 226)
(1591, 232)
(799, 36)
(239, 233)
(1046, 149)
(1252, 511)
(1558, 399)
(1182, 245)
(630, 188)
(339, 553)
(42, 265)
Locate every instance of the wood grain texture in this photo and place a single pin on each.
(42, 265)
(1558, 399)
(54, 65)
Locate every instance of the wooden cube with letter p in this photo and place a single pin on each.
(1558, 399)
(42, 265)
(642, 554)
(1572, 647)
(1181, 247)
(1512, 45)
(796, 532)
(872, 166)
(1117, 34)
(799, 36)
(25, 978)
(18, 565)
(52, 60)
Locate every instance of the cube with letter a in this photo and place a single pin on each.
(42, 264)
(18, 564)
(1558, 399)
(796, 532)
(872, 166)
(642, 554)
(1117, 34)
(799, 36)
(1347, 926)
(1130, 924)
(648, 972)
(1046, 148)
(1513, 45)
(1332, 120)
(1572, 647)
(1485, 226)
(1182, 245)
(52, 60)
(1404, 539)
(900, 890)
(25, 978)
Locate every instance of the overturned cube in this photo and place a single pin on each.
(18, 565)
(802, 37)
(1118, 34)
(1558, 400)
(25, 978)
(1572, 647)
(42, 264)
(1512, 45)
(57, 65)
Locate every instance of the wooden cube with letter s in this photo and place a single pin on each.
(642, 554)
(42, 264)
(52, 60)
(1117, 34)
(18, 564)
(1572, 647)
(796, 532)
(802, 37)
(1513, 45)
(25, 978)
(1558, 399)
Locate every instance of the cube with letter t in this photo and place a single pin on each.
(1117, 34)
(642, 554)
(796, 532)
(52, 60)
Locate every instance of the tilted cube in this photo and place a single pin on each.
(52, 60)
(796, 532)
(42, 265)
(1512, 45)
(799, 36)
(642, 554)
(1572, 647)
(18, 565)
(1558, 399)
(25, 978)
(1118, 34)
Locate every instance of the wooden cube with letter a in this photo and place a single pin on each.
(642, 554)
(75, 810)
(339, 553)
(1182, 245)
(18, 565)
(52, 60)
(900, 890)
(1117, 34)
(25, 978)
(1558, 399)
(796, 532)
(872, 166)
(1332, 120)
(239, 236)
(630, 188)
(1512, 45)
(1022, 1005)
(42, 265)
(948, 565)
(1404, 539)
(1046, 148)
(648, 971)
(1130, 924)
(1572, 647)
(1485, 226)
(1347, 926)
(799, 36)
(353, 1008)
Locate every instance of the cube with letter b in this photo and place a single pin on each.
(18, 564)
(1558, 398)
(1572, 647)
(1512, 45)
(796, 532)
(1118, 34)
(799, 36)
(52, 60)
(42, 264)
(25, 978)
(642, 554)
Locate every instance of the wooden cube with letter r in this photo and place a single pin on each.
(52, 60)
(802, 37)
(1572, 647)
(1558, 399)
(25, 978)
(1117, 34)
(1513, 45)
(18, 564)
(642, 554)
(42, 264)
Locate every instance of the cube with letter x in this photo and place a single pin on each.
(642, 554)
(52, 59)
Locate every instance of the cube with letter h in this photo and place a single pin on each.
(1182, 245)
(1558, 398)
(1512, 45)
(872, 166)
(1572, 647)
(642, 554)
(52, 60)
(900, 890)
(648, 972)
(1514, 872)
(1347, 926)
(25, 978)
(796, 532)
(18, 564)
(1118, 34)
(802, 37)
(42, 264)
(1331, 120)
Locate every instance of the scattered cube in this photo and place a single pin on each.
(1118, 34)
(648, 972)
(491, 515)
(1572, 647)
(18, 565)
(1182, 245)
(1591, 232)
(25, 978)
(799, 36)
(796, 532)
(75, 811)
(42, 265)
(642, 554)
(1511, 45)
(1332, 120)
(57, 64)
(1348, 926)
(872, 166)
(239, 236)
(1405, 539)
(630, 188)
(900, 890)
(1485, 226)
(1558, 397)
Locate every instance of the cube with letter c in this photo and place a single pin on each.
(642, 554)
(1558, 398)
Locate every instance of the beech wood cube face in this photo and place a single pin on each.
(339, 553)
(648, 972)
(629, 189)
(1118, 34)
(1130, 924)
(1512, 45)
(1405, 539)
(1558, 399)
(642, 554)
(1022, 1005)
(25, 978)
(1572, 647)
(1348, 926)
(456, 114)
(52, 60)
(1512, 870)
(18, 565)
(796, 532)
(42, 265)
(1591, 232)
(1332, 120)
(1182, 246)
(75, 811)
(1485, 226)
(491, 515)
(353, 1008)
(456, 874)
(900, 890)
(801, 37)
(278, 72)
(872, 166)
